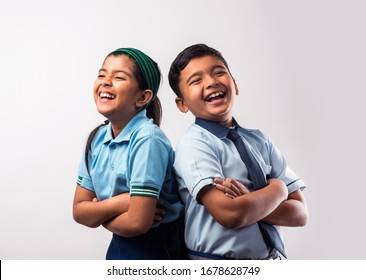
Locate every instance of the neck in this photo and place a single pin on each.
(117, 127)
(227, 122)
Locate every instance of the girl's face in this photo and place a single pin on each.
(208, 90)
(116, 90)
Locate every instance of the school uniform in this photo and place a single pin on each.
(139, 162)
(204, 153)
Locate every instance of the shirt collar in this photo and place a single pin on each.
(215, 128)
(125, 134)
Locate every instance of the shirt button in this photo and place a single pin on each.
(112, 166)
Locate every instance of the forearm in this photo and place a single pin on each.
(252, 207)
(136, 221)
(92, 213)
(292, 212)
(245, 209)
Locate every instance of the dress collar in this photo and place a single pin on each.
(215, 128)
(125, 134)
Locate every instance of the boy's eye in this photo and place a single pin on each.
(195, 81)
(220, 73)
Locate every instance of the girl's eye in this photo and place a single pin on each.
(120, 78)
(100, 76)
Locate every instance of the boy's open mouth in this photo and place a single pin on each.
(215, 96)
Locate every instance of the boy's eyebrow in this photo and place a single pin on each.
(193, 75)
(200, 72)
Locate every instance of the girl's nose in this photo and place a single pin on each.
(106, 81)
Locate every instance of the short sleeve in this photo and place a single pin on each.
(84, 180)
(281, 170)
(197, 163)
(148, 163)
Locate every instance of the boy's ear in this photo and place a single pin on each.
(145, 98)
(180, 104)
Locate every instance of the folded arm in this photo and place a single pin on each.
(245, 209)
(137, 220)
(292, 212)
(92, 213)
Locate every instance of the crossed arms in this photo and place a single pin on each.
(233, 206)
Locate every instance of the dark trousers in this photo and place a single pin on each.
(165, 242)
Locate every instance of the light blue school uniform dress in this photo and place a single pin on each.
(138, 161)
(204, 153)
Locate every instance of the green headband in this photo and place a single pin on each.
(148, 67)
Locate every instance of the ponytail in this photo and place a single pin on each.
(89, 142)
(154, 111)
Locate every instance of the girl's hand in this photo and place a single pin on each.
(159, 211)
(230, 187)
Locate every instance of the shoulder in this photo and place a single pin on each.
(196, 133)
(147, 130)
(255, 136)
(197, 140)
(100, 135)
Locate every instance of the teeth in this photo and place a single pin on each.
(213, 95)
(107, 95)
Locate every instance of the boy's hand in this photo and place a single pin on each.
(230, 187)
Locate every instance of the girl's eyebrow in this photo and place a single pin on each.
(115, 71)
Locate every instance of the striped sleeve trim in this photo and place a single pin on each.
(80, 179)
(144, 191)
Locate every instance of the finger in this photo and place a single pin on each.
(218, 180)
(159, 212)
(241, 189)
(160, 203)
(230, 183)
(230, 196)
(226, 190)
(157, 218)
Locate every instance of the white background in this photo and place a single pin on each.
(300, 68)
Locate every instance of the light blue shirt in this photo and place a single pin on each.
(204, 153)
(138, 161)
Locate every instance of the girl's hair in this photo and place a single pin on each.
(184, 57)
(148, 76)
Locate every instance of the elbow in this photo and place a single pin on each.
(138, 230)
(85, 222)
(234, 220)
(300, 220)
(135, 229)
(303, 219)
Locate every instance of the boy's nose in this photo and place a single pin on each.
(212, 82)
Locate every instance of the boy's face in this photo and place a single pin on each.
(208, 90)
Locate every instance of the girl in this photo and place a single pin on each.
(127, 166)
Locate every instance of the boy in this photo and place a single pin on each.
(225, 210)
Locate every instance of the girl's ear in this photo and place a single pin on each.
(236, 87)
(181, 105)
(145, 98)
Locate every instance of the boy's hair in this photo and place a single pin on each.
(184, 57)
